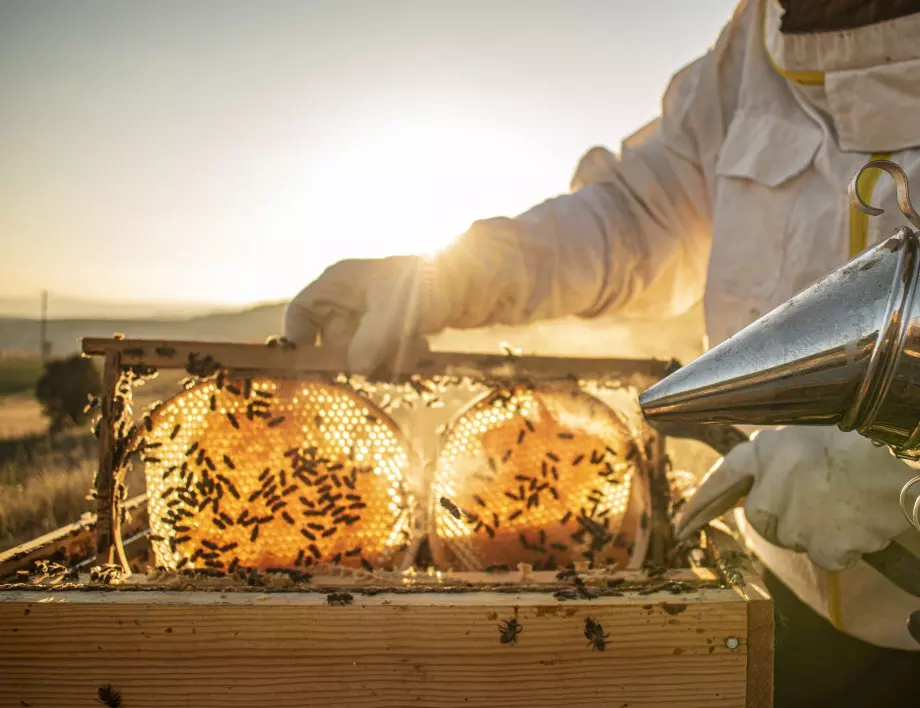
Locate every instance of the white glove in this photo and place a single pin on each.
(377, 308)
(816, 490)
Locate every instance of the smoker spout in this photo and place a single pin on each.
(845, 351)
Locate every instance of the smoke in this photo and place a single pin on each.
(679, 338)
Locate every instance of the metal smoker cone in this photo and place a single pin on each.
(827, 356)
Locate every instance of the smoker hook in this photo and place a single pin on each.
(911, 517)
(901, 185)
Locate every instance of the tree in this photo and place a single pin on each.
(64, 389)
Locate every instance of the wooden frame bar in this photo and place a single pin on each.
(109, 548)
(164, 354)
(72, 544)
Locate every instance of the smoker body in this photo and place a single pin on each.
(845, 352)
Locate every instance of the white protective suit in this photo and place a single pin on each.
(736, 195)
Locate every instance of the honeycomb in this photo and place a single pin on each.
(267, 473)
(545, 477)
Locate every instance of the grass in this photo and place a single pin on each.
(49, 498)
(44, 480)
(19, 375)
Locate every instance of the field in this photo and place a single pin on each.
(18, 375)
(44, 480)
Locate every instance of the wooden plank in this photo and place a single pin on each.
(760, 645)
(165, 354)
(439, 650)
(72, 544)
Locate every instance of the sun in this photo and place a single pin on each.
(407, 185)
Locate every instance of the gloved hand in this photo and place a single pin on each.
(377, 308)
(816, 490)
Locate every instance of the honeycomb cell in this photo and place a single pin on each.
(265, 473)
(545, 477)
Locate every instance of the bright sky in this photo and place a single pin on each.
(228, 150)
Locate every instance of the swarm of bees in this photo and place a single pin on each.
(47, 572)
(315, 475)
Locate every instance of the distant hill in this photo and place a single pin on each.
(68, 307)
(254, 324)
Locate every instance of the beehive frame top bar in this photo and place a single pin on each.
(169, 354)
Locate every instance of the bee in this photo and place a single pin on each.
(653, 570)
(594, 633)
(566, 594)
(275, 421)
(175, 432)
(108, 696)
(367, 566)
(497, 568)
(508, 631)
(451, 507)
(339, 598)
(107, 574)
(577, 460)
(233, 421)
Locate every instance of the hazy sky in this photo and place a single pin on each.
(228, 151)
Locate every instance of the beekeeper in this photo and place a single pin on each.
(736, 195)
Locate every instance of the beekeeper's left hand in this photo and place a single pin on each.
(816, 490)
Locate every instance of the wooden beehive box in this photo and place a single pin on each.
(690, 636)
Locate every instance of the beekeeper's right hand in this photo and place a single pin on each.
(377, 308)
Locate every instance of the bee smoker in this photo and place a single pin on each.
(845, 352)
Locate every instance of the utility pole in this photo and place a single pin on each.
(43, 346)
